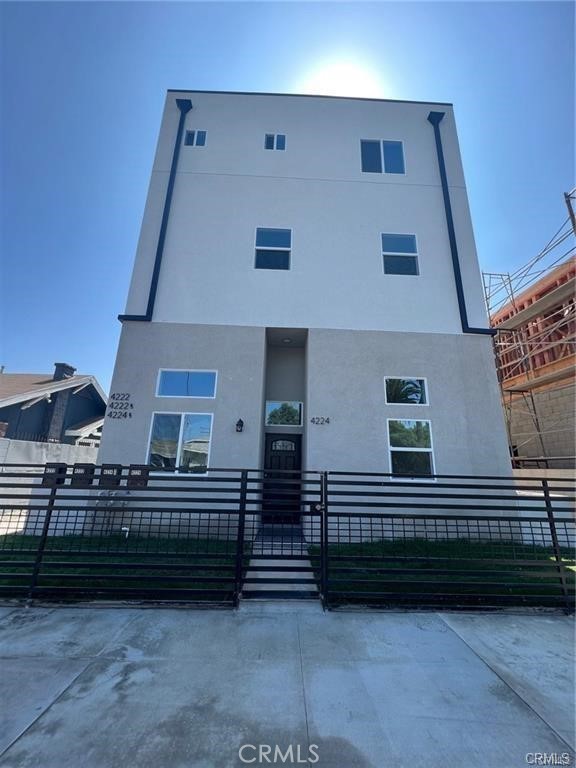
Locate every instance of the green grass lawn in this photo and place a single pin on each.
(456, 566)
(119, 563)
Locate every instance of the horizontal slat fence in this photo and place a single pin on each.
(449, 541)
(121, 535)
(130, 533)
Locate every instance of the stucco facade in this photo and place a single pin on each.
(342, 314)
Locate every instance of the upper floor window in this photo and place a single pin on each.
(382, 156)
(195, 138)
(406, 391)
(180, 441)
(273, 248)
(274, 141)
(400, 254)
(186, 384)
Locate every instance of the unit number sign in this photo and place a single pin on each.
(119, 406)
(320, 420)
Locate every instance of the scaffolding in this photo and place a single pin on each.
(534, 312)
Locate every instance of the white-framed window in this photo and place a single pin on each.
(177, 382)
(410, 447)
(283, 413)
(275, 141)
(405, 390)
(399, 254)
(195, 139)
(273, 247)
(382, 156)
(180, 441)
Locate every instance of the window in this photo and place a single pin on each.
(274, 141)
(382, 156)
(186, 384)
(180, 441)
(408, 391)
(287, 414)
(410, 445)
(273, 248)
(283, 445)
(195, 138)
(400, 254)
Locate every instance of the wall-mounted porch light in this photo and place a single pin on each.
(239, 425)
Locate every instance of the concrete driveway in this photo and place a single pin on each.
(284, 684)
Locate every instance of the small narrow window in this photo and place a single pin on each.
(382, 156)
(273, 248)
(393, 157)
(406, 391)
(187, 384)
(275, 141)
(410, 446)
(195, 138)
(371, 157)
(399, 254)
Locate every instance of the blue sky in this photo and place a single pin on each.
(82, 91)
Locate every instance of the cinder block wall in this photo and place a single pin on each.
(555, 410)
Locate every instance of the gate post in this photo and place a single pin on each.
(240, 536)
(324, 537)
(556, 544)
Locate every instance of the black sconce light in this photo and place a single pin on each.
(239, 425)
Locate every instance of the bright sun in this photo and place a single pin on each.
(343, 78)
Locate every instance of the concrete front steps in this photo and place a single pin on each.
(279, 566)
(279, 578)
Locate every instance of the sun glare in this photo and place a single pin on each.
(343, 78)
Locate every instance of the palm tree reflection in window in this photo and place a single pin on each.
(411, 391)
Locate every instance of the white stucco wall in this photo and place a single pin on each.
(213, 306)
(236, 353)
(228, 188)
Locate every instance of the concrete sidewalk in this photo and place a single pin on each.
(103, 687)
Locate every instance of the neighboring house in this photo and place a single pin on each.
(536, 357)
(46, 417)
(306, 294)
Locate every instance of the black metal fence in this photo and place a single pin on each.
(113, 532)
(459, 541)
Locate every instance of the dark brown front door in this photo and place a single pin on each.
(281, 490)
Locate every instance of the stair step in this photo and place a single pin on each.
(280, 579)
(279, 569)
(279, 594)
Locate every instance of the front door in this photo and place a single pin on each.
(281, 489)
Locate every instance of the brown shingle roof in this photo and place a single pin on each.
(17, 383)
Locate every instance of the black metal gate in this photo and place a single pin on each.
(285, 540)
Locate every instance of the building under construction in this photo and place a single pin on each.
(535, 314)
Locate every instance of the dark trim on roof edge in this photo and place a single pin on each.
(184, 105)
(435, 118)
(315, 96)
